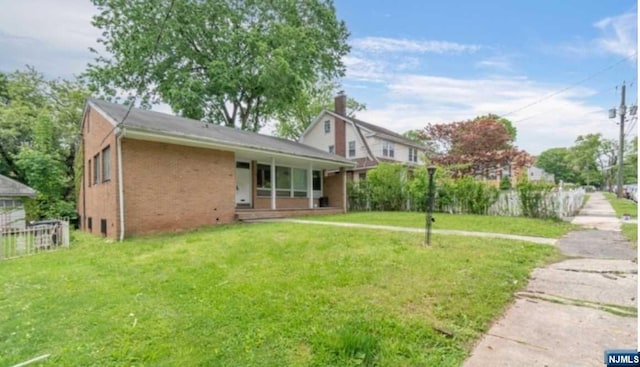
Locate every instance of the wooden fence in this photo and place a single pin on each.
(28, 241)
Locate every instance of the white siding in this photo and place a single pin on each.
(401, 151)
(352, 135)
(317, 138)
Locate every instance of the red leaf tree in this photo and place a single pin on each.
(474, 146)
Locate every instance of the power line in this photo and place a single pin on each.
(570, 86)
(145, 71)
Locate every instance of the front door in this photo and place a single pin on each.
(243, 184)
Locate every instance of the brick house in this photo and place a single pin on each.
(363, 143)
(157, 172)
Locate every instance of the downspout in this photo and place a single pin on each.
(120, 185)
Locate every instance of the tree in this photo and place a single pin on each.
(473, 144)
(39, 132)
(237, 63)
(584, 158)
(631, 161)
(295, 119)
(556, 161)
(508, 125)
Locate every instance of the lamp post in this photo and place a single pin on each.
(431, 170)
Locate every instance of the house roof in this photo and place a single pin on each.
(12, 188)
(378, 131)
(156, 122)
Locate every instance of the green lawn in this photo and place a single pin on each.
(630, 231)
(622, 206)
(271, 294)
(463, 222)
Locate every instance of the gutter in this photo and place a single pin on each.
(120, 185)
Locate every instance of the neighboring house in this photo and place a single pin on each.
(510, 163)
(157, 172)
(11, 208)
(361, 142)
(536, 174)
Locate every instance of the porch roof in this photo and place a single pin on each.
(155, 126)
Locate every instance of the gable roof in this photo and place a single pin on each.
(12, 188)
(375, 130)
(165, 124)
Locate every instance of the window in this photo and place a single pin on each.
(317, 181)
(290, 182)
(327, 126)
(352, 148)
(413, 154)
(96, 169)
(106, 164)
(332, 149)
(103, 227)
(89, 171)
(388, 149)
(283, 178)
(299, 183)
(263, 181)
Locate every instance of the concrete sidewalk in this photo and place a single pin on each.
(538, 240)
(573, 310)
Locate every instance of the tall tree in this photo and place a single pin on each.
(479, 143)
(584, 157)
(39, 127)
(508, 125)
(237, 63)
(556, 161)
(295, 118)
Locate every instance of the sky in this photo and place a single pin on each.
(554, 68)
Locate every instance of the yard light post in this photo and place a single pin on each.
(431, 170)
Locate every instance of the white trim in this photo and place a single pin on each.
(120, 185)
(103, 113)
(310, 185)
(273, 183)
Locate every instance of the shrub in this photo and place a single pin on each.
(533, 199)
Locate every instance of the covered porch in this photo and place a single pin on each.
(269, 186)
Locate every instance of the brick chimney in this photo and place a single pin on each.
(340, 108)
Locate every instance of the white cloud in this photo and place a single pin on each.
(415, 100)
(620, 34)
(52, 36)
(384, 44)
(60, 24)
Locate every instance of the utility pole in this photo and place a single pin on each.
(623, 111)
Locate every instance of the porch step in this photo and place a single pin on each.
(242, 215)
(255, 214)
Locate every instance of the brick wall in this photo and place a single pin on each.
(171, 187)
(98, 201)
(335, 189)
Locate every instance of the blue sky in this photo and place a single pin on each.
(414, 62)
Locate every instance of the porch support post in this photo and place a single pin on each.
(310, 185)
(273, 183)
(343, 173)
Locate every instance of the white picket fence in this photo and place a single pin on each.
(27, 241)
(564, 203)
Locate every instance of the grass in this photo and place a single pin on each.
(622, 206)
(271, 294)
(463, 222)
(630, 232)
